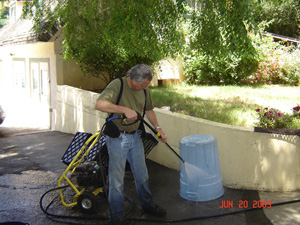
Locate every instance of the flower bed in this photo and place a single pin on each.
(274, 118)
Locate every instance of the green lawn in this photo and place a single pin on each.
(234, 105)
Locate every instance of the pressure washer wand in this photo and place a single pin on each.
(158, 135)
(175, 152)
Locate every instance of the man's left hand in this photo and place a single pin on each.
(163, 136)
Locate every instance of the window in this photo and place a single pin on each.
(44, 80)
(12, 13)
(19, 73)
(35, 77)
(40, 80)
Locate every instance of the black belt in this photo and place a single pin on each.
(127, 132)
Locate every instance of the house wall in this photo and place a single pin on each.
(69, 72)
(168, 71)
(248, 160)
(22, 100)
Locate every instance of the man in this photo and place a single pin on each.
(129, 146)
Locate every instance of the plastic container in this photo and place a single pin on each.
(200, 177)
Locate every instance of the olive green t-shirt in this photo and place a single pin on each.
(133, 99)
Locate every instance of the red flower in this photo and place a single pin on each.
(279, 114)
(257, 110)
(297, 108)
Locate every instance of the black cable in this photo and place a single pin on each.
(102, 176)
(42, 197)
(49, 215)
(13, 223)
(209, 216)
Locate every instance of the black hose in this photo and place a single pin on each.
(209, 216)
(49, 215)
(103, 177)
(14, 223)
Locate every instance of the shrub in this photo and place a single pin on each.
(268, 73)
(202, 69)
(290, 63)
(278, 64)
(283, 16)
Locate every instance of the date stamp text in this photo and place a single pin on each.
(243, 204)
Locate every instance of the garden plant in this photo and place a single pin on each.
(274, 118)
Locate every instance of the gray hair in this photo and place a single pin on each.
(140, 72)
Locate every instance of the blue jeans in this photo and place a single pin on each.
(126, 147)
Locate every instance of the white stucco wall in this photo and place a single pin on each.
(39, 51)
(248, 160)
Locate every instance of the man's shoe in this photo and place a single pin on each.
(155, 210)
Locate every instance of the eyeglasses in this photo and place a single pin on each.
(144, 87)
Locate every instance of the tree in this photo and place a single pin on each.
(107, 37)
(3, 13)
(283, 18)
(219, 27)
(220, 50)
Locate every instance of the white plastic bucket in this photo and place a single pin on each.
(200, 177)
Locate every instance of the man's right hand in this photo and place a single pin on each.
(131, 115)
(108, 107)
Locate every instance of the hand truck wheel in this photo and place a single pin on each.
(87, 202)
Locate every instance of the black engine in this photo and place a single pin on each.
(89, 174)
